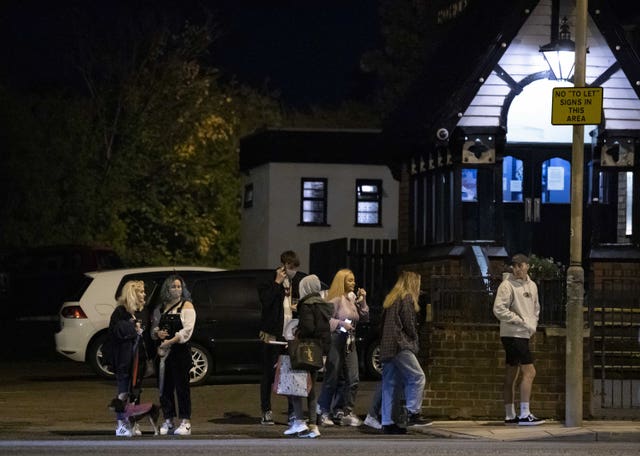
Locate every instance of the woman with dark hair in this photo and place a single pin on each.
(173, 323)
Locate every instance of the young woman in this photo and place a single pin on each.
(342, 362)
(314, 314)
(174, 321)
(124, 333)
(398, 349)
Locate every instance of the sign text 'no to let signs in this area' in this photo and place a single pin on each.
(576, 106)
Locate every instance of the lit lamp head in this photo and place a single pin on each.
(560, 54)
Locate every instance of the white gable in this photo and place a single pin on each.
(529, 117)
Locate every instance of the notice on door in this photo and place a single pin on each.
(576, 106)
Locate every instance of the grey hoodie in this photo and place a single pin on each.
(517, 307)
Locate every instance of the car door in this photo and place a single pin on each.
(229, 320)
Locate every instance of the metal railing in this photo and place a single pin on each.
(469, 300)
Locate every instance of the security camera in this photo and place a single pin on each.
(442, 134)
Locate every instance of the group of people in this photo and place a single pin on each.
(172, 324)
(330, 317)
(338, 310)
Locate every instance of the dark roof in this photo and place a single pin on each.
(298, 145)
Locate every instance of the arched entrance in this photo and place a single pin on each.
(536, 176)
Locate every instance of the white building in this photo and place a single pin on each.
(303, 186)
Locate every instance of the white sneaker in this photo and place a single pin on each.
(351, 419)
(325, 420)
(372, 422)
(123, 429)
(183, 429)
(136, 429)
(312, 433)
(167, 427)
(296, 427)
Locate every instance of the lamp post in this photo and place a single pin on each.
(575, 272)
(563, 57)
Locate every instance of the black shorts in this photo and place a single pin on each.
(517, 350)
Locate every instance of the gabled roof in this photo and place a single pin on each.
(475, 43)
(461, 66)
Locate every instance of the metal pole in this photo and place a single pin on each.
(575, 273)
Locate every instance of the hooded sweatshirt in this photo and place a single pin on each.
(517, 307)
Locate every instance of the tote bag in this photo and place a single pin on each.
(306, 354)
(289, 381)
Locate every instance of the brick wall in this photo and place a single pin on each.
(465, 371)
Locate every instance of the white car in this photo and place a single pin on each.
(85, 320)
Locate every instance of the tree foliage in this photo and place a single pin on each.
(145, 159)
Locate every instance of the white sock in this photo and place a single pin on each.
(524, 409)
(509, 411)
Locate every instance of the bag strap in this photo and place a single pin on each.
(179, 303)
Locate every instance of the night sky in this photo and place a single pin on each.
(308, 50)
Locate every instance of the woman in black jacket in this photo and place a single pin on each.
(314, 314)
(124, 335)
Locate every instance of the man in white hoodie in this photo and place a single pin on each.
(517, 307)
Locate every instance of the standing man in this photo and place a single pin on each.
(517, 307)
(279, 298)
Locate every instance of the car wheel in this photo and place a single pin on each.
(372, 362)
(94, 357)
(201, 367)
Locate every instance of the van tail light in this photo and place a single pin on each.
(73, 312)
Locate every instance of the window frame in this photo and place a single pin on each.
(359, 199)
(323, 199)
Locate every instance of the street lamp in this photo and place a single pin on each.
(560, 53)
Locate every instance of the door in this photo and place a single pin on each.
(536, 195)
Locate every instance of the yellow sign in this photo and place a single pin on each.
(576, 106)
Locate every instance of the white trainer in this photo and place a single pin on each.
(166, 428)
(312, 433)
(123, 429)
(183, 429)
(325, 420)
(351, 419)
(372, 422)
(296, 427)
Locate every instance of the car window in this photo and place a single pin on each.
(226, 297)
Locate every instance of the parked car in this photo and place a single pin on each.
(225, 339)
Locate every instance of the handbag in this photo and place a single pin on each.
(289, 381)
(306, 354)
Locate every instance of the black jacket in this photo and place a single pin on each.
(271, 298)
(122, 335)
(314, 314)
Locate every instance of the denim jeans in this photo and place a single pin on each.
(403, 368)
(339, 363)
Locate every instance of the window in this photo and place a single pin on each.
(248, 195)
(556, 181)
(512, 173)
(368, 202)
(313, 209)
(469, 191)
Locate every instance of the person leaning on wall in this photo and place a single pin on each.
(518, 309)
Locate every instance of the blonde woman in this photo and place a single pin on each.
(350, 307)
(398, 349)
(124, 331)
